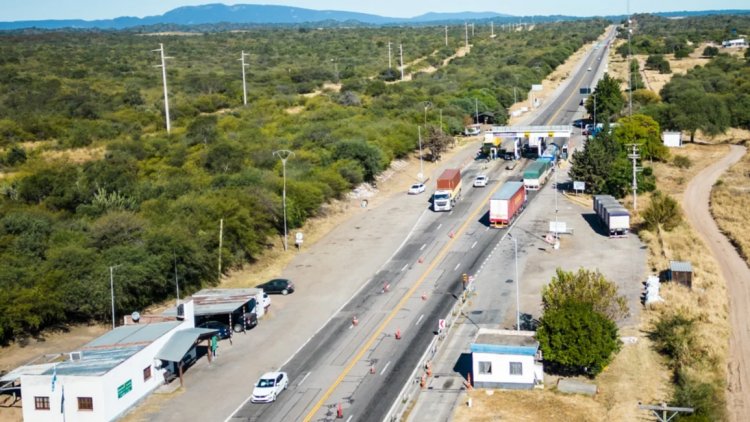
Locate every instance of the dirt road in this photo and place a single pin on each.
(737, 275)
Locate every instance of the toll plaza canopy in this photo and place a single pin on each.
(532, 132)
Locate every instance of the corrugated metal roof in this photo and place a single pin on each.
(681, 266)
(95, 362)
(219, 301)
(504, 350)
(133, 334)
(507, 191)
(174, 350)
(26, 370)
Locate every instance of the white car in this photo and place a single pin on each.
(416, 189)
(480, 181)
(269, 386)
(589, 69)
(473, 130)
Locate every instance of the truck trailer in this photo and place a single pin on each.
(448, 190)
(507, 203)
(613, 215)
(536, 174)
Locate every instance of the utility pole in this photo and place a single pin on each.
(112, 291)
(244, 82)
(634, 156)
(472, 30)
(441, 121)
(176, 283)
(284, 154)
(446, 35)
(163, 67)
(476, 111)
(221, 244)
(630, 71)
(518, 306)
(389, 54)
(401, 53)
(466, 35)
(661, 411)
(492, 29)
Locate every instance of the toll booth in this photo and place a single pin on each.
(530, 137)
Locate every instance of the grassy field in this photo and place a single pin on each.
(730, 205)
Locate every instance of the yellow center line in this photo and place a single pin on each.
(578, 86)
(398, 308)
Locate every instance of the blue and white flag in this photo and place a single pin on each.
(54, 377)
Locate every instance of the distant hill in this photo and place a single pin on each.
(254, 14)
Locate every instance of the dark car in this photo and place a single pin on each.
(223, 329)
(251, 320)
(278, 285)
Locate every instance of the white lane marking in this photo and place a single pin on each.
(385, 367)
(487, 229)
(457, 265)
(475, 244)
(423, 246)
(405, 266)
(304, 378)
(349, 418)
(439, 226)
(420, 319)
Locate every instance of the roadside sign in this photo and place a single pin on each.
(536, 87)
(441, 324)
(558, 227)
(299, 238)
(579, 185)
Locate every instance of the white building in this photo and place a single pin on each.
(739, 42)
(107, 376)
(506, 359)
(672, 139)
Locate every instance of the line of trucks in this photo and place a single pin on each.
(614, 216)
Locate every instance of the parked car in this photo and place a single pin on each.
(223, 329)
(269, 386)
(251, 321)
(416, 189)
(480, 181)
(473, 130)
(278, 285)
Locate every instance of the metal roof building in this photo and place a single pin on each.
(506, 359)
(104, 378)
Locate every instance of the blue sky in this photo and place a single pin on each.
(12, 10)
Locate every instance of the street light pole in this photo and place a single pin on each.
(283, 155)
(518, 307)
(421, 168)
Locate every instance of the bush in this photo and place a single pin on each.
(710, 51)
(682, 161)
(674, 337)
(575, 339)
(704, 397)
(585, 287)
(663, 212)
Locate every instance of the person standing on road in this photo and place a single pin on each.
(214, 345)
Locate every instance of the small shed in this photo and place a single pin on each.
(681, 272)
(506, 359)
(672, 139)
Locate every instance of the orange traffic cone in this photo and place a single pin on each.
(339, 412)
(422, 382)
(372, 369)
(450, 235)
(468, 382)
(398, 334)
(424, 296)
(355, 321)
(386, 287)
(429, 369)
(421, 260)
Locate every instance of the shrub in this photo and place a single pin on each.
(673, 335)
(706, 398)
(585, 287)
(663, 212)
(575, 339)
(682, 161)
(710, 51)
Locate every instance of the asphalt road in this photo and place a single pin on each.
(334, 367)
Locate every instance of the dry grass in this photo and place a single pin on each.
(75, 155)
(730, 205)
(531, 406)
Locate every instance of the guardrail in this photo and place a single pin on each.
(411, 389)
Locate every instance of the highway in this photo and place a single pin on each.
(362, 368)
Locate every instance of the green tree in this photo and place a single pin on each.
(710, 51)
(644, 131)
(609, 100)
(575, 339)
(596, 164)
(662, 212)
(585, 286)
(436, 141)
(369, 156)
